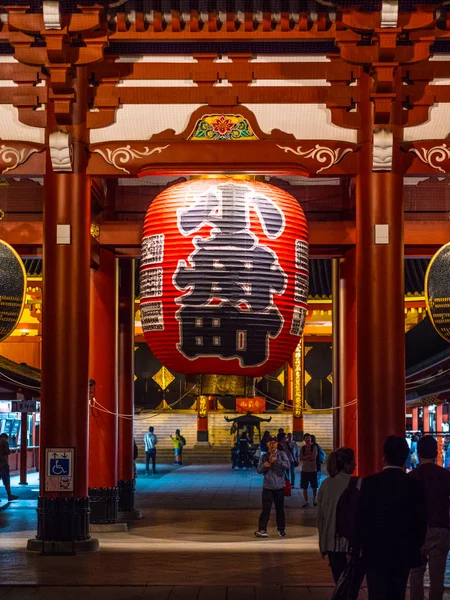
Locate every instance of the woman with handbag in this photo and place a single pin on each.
(336, 519)
(272, 465)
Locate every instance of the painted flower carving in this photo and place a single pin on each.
(223, 128)
(222, 125)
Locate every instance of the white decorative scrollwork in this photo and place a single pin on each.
(124, 154)
(52, 14)
(383, 147)
(433, 156)
(15, 156)
(322, 154)
(61, 151)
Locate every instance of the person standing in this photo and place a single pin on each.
(291, 449)
(5, 451)
(447, 452)
(414, 458)
(272, 465)
(332, 543)
(391, 524)
(308, 477)
(243, 454)
(177, 440)
(263, 442)
(182, 445)
(436, 483)
(150, 442)
(321, 458)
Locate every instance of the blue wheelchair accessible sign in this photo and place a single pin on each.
(59, 466)
(59, 476)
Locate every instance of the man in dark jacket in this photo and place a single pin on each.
(391, 524)
(5, 451)
(436, 484)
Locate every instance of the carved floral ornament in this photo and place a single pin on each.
(124, 154)
(322, 154)
(433, 156)
(14, 156)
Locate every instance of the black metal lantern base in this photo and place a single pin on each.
(127, 493)
(63, 527)
(202, 436)
(104, 504)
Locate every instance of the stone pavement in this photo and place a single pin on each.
(164, 593)
(131, 592)
(195, 541)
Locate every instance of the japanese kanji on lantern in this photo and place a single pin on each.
(224, 277)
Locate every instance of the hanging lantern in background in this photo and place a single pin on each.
(13, 289)
(224, 277)
(437, 291)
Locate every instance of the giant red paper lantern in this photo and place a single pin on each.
(224, 277)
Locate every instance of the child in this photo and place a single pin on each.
(177, 446)
(272, 465)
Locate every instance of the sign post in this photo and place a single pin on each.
(24, 406)
(59, 469)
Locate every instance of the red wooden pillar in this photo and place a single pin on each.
(126, 480)
(23, 448)
(103, 492)
(380, 309)
(63, 515)
(439, 434)
(439, 419)
(204, 405)
(347, 351)
(415, 419)
(298, 391)
(337, 416)
(426, 420)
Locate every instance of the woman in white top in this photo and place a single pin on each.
(340, 466)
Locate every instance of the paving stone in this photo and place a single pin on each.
(156, 593)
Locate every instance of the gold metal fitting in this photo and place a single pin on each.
(95, 230)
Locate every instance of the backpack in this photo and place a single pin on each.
(321, 455)
(183, 441)
(346, 513)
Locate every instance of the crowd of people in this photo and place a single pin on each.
(386, 527)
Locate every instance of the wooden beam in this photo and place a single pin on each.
(105, 96)
(326, 238)
(422, 238)
(240, 70)
(236, 36)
